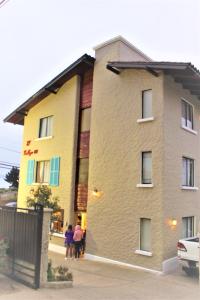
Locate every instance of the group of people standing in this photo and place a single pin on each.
(74, 242)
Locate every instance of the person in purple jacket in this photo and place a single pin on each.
(69, 242)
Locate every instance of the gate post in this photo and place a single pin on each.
(45, 245)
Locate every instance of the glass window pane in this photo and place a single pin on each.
(187, 171)
(187, 227)
(184, 171)
(46, 171)
(46, 125)
(187, 114)
(147, 104)
(43, 124)
(184, 113)
(42, 171)
(85, 119)
(39, 171)
(83, 171)
(191, 174)
(146, 167)
(49, 126)
(145, 234)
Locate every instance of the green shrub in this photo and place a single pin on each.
(60, 273)
(43, 195)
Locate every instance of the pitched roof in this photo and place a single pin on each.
(78, 67)
(184, 73)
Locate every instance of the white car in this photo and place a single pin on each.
(189, 253)
(11, 204)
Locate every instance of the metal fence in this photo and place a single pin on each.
(21, 232)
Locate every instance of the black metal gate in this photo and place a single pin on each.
(21, 232)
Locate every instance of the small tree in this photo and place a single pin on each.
(43, 195)
(12, 177)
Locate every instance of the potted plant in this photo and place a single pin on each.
(58, 277)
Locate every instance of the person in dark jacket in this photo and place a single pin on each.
(69, 242)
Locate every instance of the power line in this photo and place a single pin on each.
(8, 149)
(5, 168)
(9, 163)
(8, 167)
(3, 2)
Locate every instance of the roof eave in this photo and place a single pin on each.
(184, 73)
(17, 116)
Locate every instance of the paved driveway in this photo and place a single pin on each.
(94, 281)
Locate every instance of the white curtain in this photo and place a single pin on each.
(49, 126)
(46, 171)
(187, 227)
(43, 125)
(147, 167)
(145, 234)
(147, 104)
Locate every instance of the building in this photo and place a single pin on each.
(116, 137)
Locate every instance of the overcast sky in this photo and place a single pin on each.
(40, 38)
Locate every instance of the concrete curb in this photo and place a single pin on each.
(57, 284)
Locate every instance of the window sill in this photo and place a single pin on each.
(145, 253)
(44, 138)
(189, 130)
(145, 120)
(145, 185)
(40, 183)
(190, 188)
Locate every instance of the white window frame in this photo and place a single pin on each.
(150, 117)
(141, 251)
(39, 131)
(184, 126)
(193, 226)
(36, 170)
(188, 187)
(142, 158)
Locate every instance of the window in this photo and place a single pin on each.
(57, 221)
(187, 227)
(187, 171)
(46, 127)
(147, 167)
(145, 234)
(146, 104)
(42, 171)
(85, 119)
(187, 115)
(83, 167)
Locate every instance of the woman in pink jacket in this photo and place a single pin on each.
(78, 235)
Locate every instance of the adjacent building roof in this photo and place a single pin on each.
(81, 65)
(184, 73)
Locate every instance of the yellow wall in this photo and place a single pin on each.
(64, 108)
(116, 143)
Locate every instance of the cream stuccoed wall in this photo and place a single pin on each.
(64, 108)
(116, 143)
(178, 203)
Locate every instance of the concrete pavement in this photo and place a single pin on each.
(101, 281)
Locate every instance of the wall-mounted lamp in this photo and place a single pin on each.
(96, 193)
(172, 223)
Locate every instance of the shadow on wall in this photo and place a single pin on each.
(90, 244)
